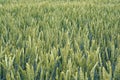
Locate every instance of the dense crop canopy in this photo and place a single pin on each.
(59, 40)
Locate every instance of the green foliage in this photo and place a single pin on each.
(59, 40)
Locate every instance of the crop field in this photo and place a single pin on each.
(59, 39)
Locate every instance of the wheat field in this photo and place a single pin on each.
(59, 40)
